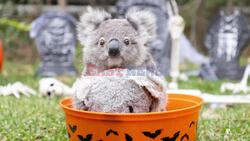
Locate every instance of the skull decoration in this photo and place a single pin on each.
(226, 39)
(55, 37)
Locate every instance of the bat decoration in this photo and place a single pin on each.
(153, 135)
(131, 110)
(88, 137)
(192, 123)
(128, 137)
(176, 135)
(111, 131)
(184, 136)
(73, 128)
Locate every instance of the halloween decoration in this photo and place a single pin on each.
(1, 55)
(213, 98)
(179, 123)
(227, 37)
(177, 25)
(238, 87)
(118, 92)
(55, 36)
(52, 87)
(16, 89)
(161, 47)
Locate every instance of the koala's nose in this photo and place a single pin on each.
(114, 48)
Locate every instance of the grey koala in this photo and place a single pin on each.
(112, 43)
(120, 93)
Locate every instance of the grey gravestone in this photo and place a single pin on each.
(161, 47)
(227, 37)
(55, 37)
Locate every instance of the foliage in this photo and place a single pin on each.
(14, 23)
(13, 33)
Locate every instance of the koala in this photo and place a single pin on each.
(116, 43)
(120, 93)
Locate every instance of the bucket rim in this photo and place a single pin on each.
(65, 104)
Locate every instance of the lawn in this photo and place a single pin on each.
(34, 118)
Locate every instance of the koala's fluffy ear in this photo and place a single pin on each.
(144, 22)
(90, 20)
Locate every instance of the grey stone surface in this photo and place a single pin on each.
(227, 37)
(55, 37)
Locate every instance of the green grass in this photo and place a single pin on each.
(34, 118)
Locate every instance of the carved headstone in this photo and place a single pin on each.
(55, 37)
(161, 47)
(227, 37)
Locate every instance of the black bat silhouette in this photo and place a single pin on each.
(184, 136)
(176, 135)
(73, 128)
(68, 134)
(88, 137)
(111, 131)
(128, 137)
(152, 135)
(192, 123)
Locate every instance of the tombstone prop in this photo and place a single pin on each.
(161, 47)
(55, 37)
(227, 37)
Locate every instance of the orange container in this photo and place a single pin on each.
(1, 55)
(179, 123)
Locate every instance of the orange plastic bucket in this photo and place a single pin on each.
(1, 55)
(179, 123)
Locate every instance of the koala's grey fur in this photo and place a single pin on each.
(139, 27)
(120, 94)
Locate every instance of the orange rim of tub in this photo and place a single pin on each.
(179, 122)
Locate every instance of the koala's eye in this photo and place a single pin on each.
(102, 41)
(126, 41)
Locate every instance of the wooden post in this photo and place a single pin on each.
(62, 4)
(229, 7)
(195, 12)
(48, 2)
